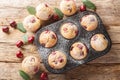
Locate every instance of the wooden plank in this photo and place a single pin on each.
(109, 14)
(84, 72)
(95, 72)
(112, 57)
(8, 52)
(10, 71)
(114, 32)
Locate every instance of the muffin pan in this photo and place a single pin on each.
(64, 44)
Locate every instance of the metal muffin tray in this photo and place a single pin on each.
(65, 44)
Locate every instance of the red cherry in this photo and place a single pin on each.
(47, 31)
(31, 39)
(94, 38)
(55, 17)
(53, 36)
(65, 29)
(53, 53)
(32, 20)
(76, 32)
(19, 44)
(60, 59)
(71, 48)
(5, 29)
(44, 76)
(19, 54)
(82, 8)
(46, 5)
(80, 46)
(13, 24)
(82, 53)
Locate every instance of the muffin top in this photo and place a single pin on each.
(68, 7)
(69, 30)
(78, 51)
(99, 42)
(89, 22)
(31, 23)
(44, 11)
(48, 38)
(57, 59)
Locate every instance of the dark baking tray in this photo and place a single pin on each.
(64, 44)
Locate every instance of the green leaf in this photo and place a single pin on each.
(20, 27)
(24, 75)
(31, 10)
(25, 38)
(58, 12)
(89, 4)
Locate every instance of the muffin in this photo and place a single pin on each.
(99, 42)
(57, 60)
(31, 65)
(31, 23)
(68, 7)
(48, 38)
(44, 11)
(78, 51)
(69, 30)
(89, 22)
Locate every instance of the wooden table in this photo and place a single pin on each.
(103, 68)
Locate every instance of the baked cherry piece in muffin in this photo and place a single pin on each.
(48, 38)
(31, 23)
(57, 60)
(78, 51)
(44, 11)
(99, 42)
(69, 30)
(68, 7)
(89, 22)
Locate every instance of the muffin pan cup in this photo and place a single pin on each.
(64, 45)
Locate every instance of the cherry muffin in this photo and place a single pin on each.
(68, 7)
(57, 60)
(89, 22)
(31, 65)
(31, 23)
(48, 38)
(69, 30)
(78, 51)
(99, 42)
(44, 11)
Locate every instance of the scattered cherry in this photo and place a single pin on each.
(31, 39)
(55, 17)
(82, 8)
(13, 24)
(44, 76)
(19, 54)
(5, 29)
(19, 43)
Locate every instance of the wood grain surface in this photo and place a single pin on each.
(103, 68)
